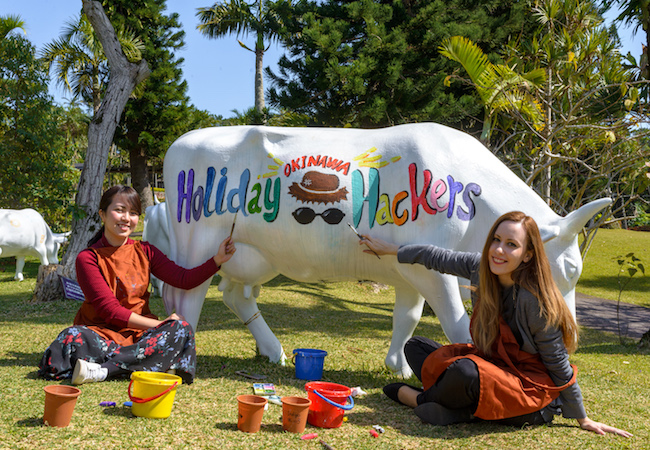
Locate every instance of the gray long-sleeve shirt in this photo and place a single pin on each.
(522, 313)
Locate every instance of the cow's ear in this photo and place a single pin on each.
(549, 232)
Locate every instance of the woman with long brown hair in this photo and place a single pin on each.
(517, 369)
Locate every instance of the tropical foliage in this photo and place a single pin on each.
(583, 141)
(79, 63)
(237, 17)
(37, 162)
(161, 111)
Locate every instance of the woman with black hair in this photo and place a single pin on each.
(114, 331)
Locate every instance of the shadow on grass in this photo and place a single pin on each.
(319, 311)
(639, 285)
(31, 422)
(603, 343)
(265, 427)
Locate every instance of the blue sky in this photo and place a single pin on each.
(220, 74)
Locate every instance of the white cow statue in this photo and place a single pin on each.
(156, 232)
(294, 190)
(24, 233)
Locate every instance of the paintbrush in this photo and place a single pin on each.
(326, 445)
(233, 224)
(360, 237)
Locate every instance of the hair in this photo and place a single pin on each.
(130, 196)
(534, 276)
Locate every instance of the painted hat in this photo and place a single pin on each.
(317, 187)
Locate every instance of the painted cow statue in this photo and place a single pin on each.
(156, 232)
(294, 191)
(24, 233)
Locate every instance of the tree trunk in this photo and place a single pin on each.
(259, 80)
(48, 285)
(140, 176)
(123, 79)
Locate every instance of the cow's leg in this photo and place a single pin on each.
(157, 286)
(447, 303)
(443, 295)
(186, 303)
(247, 311)
(406, 315)
(20, 265)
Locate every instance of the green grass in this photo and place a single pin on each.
(599, 274)
(348, 320)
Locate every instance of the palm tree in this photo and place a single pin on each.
(79, 61)
(238, 17)
(9, 23)
(635, 13)
(500, 87)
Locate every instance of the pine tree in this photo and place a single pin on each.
(158, 116)
(376, 63)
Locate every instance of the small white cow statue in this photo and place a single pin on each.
(156, 232)
(24, 233)
(294, 191)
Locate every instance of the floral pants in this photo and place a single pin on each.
(170, 345)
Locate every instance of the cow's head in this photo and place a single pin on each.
(561, 245)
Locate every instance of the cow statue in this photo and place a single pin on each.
(156, 232)
(293, 192)
(24, 233)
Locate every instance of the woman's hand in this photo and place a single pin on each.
(144, 323)
(601, 428)
(379, 246)
(226, 250)
(174, 316)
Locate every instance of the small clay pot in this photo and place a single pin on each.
(60, 401)
(251, 410)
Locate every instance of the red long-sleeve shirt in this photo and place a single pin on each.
(102, 298)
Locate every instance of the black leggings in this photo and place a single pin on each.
(459, 385)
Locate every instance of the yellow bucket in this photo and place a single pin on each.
(153, 394)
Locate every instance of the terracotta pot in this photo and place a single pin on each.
(251, 410)
(294, 413)
(59, 404)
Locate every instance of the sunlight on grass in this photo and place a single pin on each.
(349, 321)
(600, 268)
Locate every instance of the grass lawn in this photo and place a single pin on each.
(599, 275)
(348, 320)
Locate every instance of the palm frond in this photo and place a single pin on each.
(466, 53)
(9, 23)
(235, 17)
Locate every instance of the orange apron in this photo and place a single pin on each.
(512, 382)
(126, 270)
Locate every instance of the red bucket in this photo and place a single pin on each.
(328, 403)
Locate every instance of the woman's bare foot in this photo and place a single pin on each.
(408, 396)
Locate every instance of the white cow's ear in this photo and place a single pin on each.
(549, 232)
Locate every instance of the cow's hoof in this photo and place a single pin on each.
(282, 360)
(404, 372)
(19, 277)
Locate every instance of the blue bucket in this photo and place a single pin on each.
(309, 363)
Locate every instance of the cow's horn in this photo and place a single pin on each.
(577, 219)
